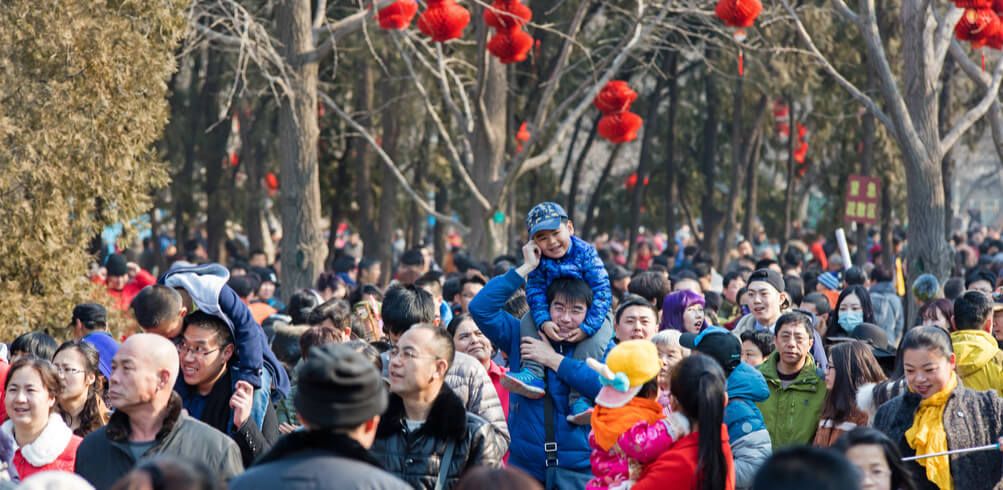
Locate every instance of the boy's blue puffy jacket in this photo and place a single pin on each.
(525, 418)
(580, 262)
(206, 284)
(746, 387)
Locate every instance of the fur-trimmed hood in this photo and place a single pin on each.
(447, 418)
(118, 429)
(49, 445)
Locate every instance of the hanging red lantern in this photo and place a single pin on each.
(801, 150)
(443, 20)
(998, 7)
(614, 97)
(271, 182)
(234, 159)
(631, 181)
(976, 26)
(511, 45)
(521, 136)
(620, 127)
(397, 15)
(973, 4)
(507, 13)
(995, 38)
(738, 13)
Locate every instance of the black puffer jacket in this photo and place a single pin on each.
(415, 457)
(971, 419)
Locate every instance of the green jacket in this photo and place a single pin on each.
(791, 414)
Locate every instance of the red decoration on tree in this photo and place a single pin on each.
(443, 20)
(510, 45)
(977, 26)
(234, 159)
(801, 151)
(739, 14)
(620, 127)
(521, 136)
(271, 182)
(615, 96)
(504, 14)
(397, 15)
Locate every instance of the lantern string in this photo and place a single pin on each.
(741, 62)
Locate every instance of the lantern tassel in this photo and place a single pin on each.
(741, 63)
(983, 53)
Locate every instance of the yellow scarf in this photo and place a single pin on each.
(927, 436)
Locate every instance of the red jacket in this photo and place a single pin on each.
(677, 467)
(54, 449)
(124, 297)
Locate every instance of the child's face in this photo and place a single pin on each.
(693, 319)
(555, 243)
(751, 354)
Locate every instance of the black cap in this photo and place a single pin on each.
(617, 273)
(717, 343)
(338, 387)
(770, 276)
(90, 314)
(874, 336)
(116, 265)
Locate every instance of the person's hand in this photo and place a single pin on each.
(550, 329)
(575, 336)
(133, 268)
(531, 254)
(541, 352)
(288, 428)
(241, 402)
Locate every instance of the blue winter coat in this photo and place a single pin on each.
(746, 387)
(580, 262)
(525, 418)
(206, 284)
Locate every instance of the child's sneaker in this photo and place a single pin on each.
(581, 412)
(524, 383)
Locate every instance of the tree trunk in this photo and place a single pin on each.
(670, 192)
(253, 128)
(576, 174)
(789, 192)
(644, 162)
(570, 156)
(302, 242)
(416, 223)
(711, 216)
(339, 180)
(365, 93)
(213, 156)
(184, 181)
(600, 185)
(947, 163)
(441, 205)
(751, 195)
(389, 206)
(866, 167)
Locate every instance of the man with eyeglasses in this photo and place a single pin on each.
(426, 437)
(210, 391)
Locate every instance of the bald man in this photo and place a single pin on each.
(148, 419)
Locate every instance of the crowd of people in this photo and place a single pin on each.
(565, 368)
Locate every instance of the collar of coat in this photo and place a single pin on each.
(335, 443)
(48, 446)
(447, 418)
(118, 429)
(808, 379)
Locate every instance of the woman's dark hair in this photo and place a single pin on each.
(804, 467)
(95, 414)
(37, 344)
(46, 371)
(329, 280)
(931, 338)
(762, 340)
(455, 323)
(901, 479)
(509, 478)
(855, 366)
(165, 472)
(945, 306)
(834, 329)
(301, 303)
(698, 384)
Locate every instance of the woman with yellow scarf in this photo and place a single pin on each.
(939, 414)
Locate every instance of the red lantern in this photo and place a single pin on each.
(443, 20)
(507, 13)
(397, 15)
(973, 4)
(620, 127)
(234, 159)
(510, 46)
(738, 13)
(271, 182)
(976, 26)
(614, 97)
(998, 7)
(522, 135)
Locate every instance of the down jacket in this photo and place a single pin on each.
(971, 419)
(581, 262)
(980, 361)
(750, 441)
(791, 413)
(526, 416)
(416, 457)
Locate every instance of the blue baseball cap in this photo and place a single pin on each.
(545, 216)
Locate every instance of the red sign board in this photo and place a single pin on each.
(862, 197)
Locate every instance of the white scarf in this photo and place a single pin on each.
(47, 447)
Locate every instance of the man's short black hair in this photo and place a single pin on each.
(37, 344)
(413, 257)
(244, 285)
(684, 274)
(213, 323)
(336, 310)
(651, 286)
(569, 289)
(765, 263)
(729, 277)
(855, 276)
(156, 305)
(431, 280)
(819, 301)
(368, 262)
(632, 300)
(954, 288)
(980, 275)
(971, 310)
(803, 467)
(257, 251)
(344, 263)
(794, 287)
(404, 306)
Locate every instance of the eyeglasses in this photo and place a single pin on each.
(198, 351)
(409, 354)
(61, 370)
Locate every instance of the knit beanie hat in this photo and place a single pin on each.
(116, 266)
(338, 388)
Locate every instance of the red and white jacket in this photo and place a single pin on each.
(54, 449)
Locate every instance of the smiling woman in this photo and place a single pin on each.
(468, 339)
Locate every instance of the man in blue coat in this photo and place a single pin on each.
(563, 460)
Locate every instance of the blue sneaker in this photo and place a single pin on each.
(580, 412)
(524, 383)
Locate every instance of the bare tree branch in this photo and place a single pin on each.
(982, 79)
(943, 39)
(340, 29)
(975, 113)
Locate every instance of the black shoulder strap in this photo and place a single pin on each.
(550, 443)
